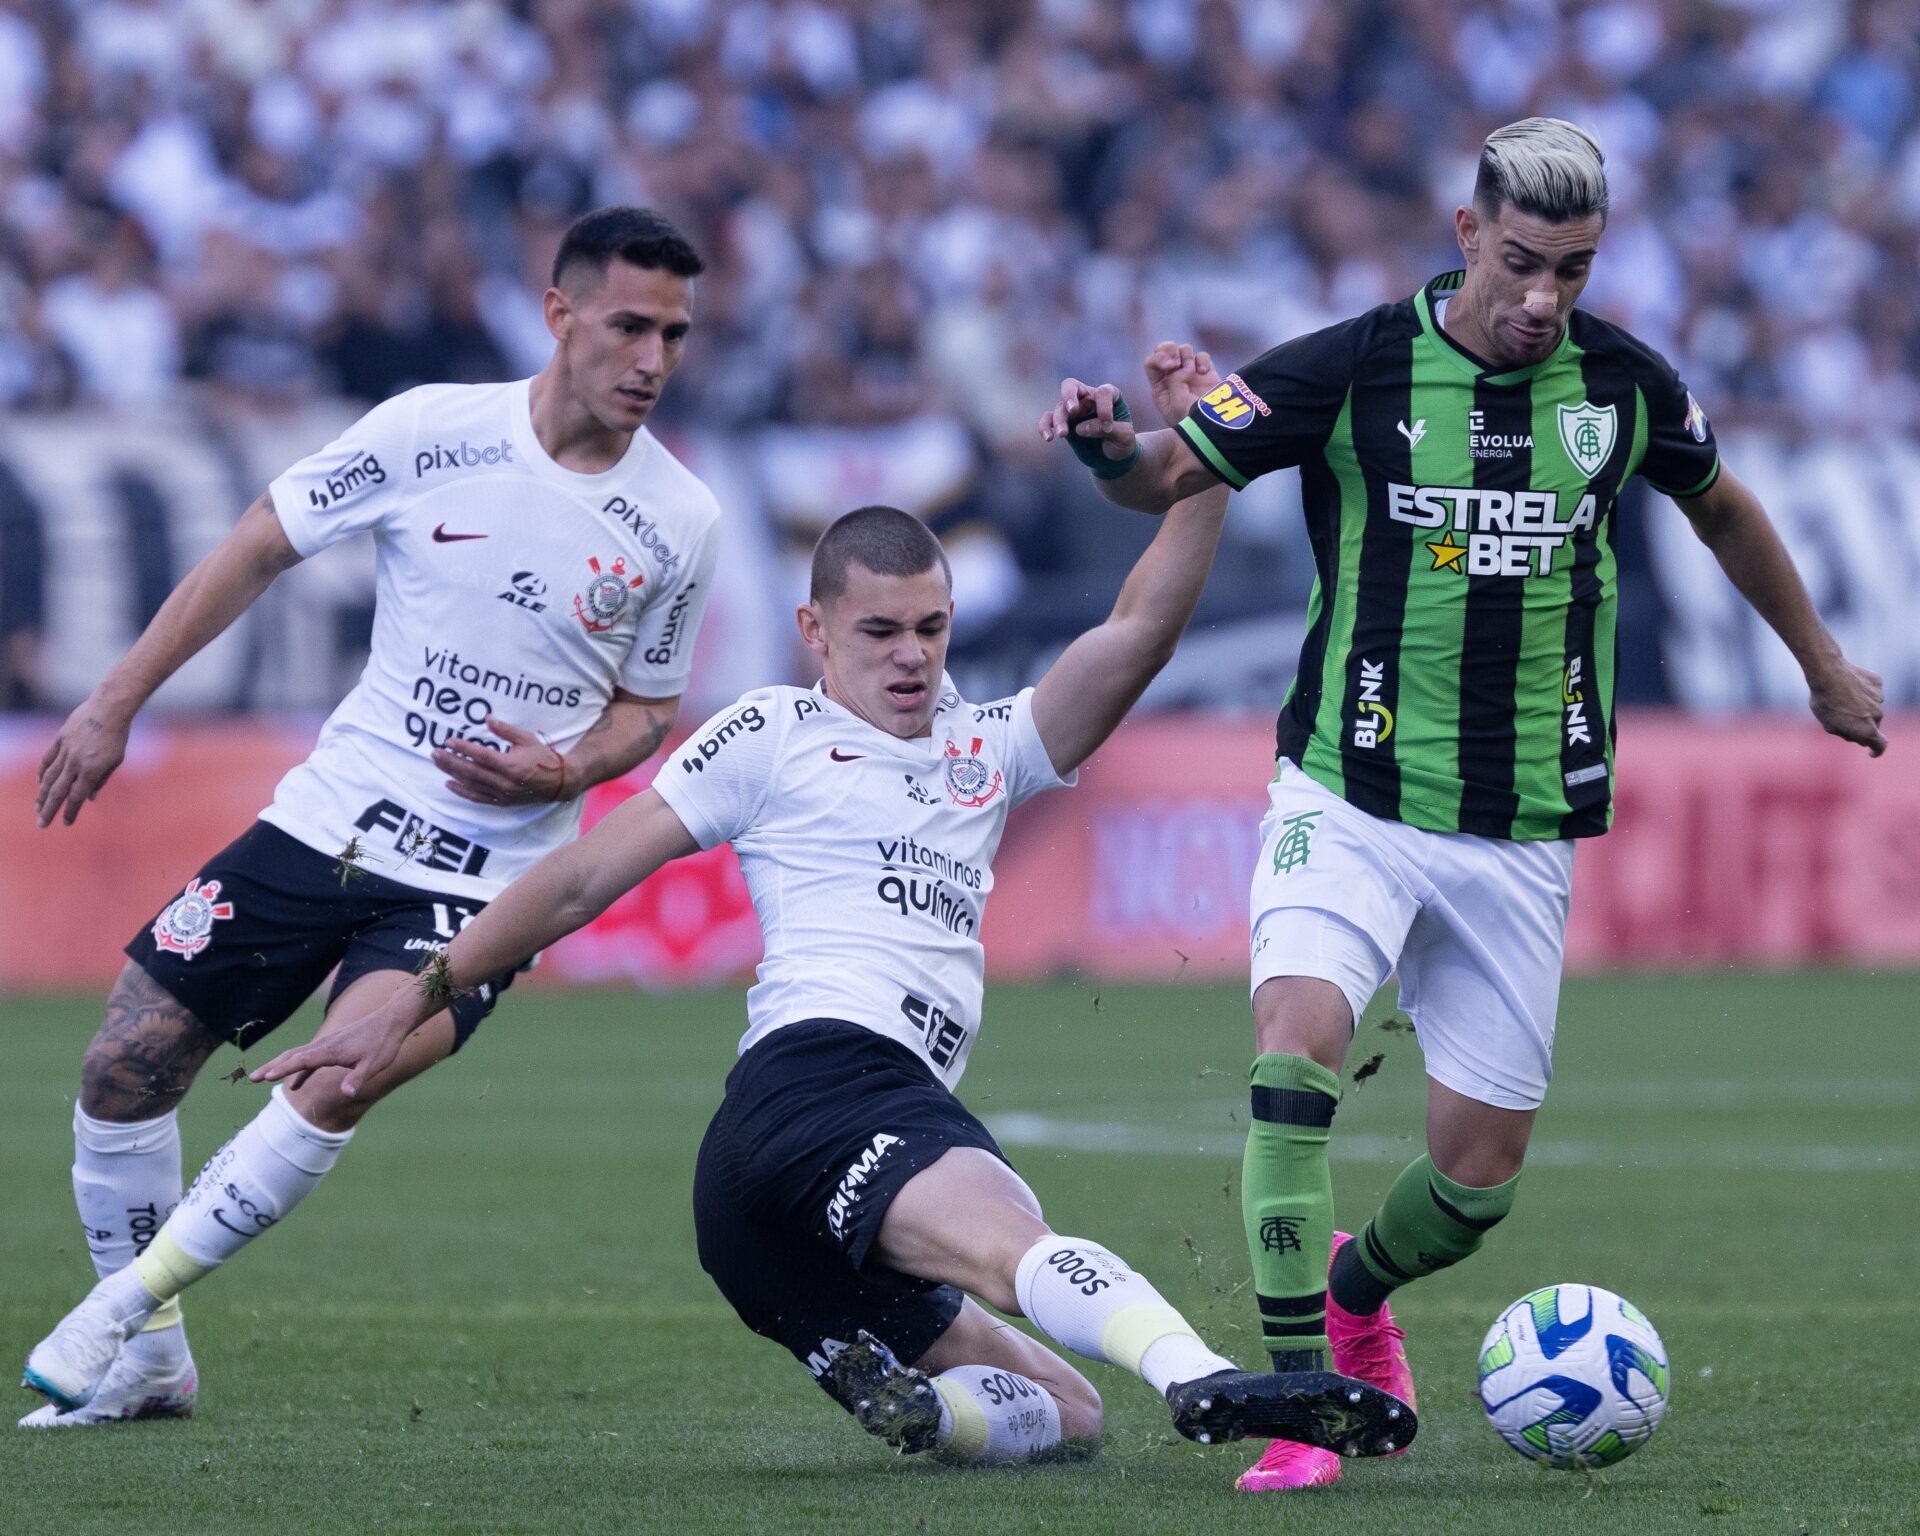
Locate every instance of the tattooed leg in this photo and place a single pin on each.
(146, 1054)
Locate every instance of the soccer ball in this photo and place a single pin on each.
(1574, 1376)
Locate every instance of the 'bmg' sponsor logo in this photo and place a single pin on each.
(353, 477)
(746, 722)
(431, 460)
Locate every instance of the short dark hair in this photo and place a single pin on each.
(884, 540)
(641, 237)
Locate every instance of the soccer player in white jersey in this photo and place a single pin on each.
(846, 1204)
(543, 563)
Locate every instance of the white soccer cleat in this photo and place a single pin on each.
(69, 1364)
(131, 1390)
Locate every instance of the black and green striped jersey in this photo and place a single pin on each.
(1459, 660)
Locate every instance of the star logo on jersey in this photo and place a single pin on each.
(607, 596)
(1587, 432)
(1446, 554)
(970, 782)
(186, 927)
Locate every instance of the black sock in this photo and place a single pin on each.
(1351, 1283)
(1298, 1359)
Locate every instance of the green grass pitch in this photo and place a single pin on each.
(491, 1319)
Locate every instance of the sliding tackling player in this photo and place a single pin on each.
(1451, 729)
(844, 1200)
(542, 566)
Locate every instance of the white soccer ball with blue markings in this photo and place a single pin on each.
(1574, 1376)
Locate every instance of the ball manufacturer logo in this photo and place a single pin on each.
(186, 927)
(970, 781)
(607, 596)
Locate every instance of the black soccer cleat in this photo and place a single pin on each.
(1320, 1408)
(890, 1400)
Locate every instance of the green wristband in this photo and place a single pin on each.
(1091, 452)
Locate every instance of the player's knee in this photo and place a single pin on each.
(1302, 1016)
(136, 1067)
(1081, 1414)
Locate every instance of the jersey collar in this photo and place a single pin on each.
(1444, 287)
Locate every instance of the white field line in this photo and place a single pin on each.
(1017, 1129)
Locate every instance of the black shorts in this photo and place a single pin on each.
(257, 930)
(822, 1125)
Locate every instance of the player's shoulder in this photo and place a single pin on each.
(675, 482)
(1598, 337)
(1341, 347)
(433, 410)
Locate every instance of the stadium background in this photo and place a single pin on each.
(227, 226)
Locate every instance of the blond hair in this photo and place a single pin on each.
(1544, 167)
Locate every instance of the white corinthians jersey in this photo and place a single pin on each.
(506, 586)
(869, 858)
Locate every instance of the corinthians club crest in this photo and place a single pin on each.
(607, 595)
(1586, 432)
(969, 780)
(186, 927)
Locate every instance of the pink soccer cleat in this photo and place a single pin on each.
(1369, 1347)
(1288, 1464)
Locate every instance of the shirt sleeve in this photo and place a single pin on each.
(661, 660)
(1276, 413)
(1682, 458)
(351, 485)
(1022, 754)
(717, 782)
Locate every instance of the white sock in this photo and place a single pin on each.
(126, 1182)
(273, 1163)
(989, 1416)
(1089, 1299)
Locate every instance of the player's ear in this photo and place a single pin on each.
(1466, 229)
(559, 312)
(813, 627)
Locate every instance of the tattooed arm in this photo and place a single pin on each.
(628, 732)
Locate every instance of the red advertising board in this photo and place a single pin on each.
(1759, 843)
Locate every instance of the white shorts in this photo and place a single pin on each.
(1476, 927)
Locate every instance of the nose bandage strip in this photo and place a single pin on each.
(1538, 303)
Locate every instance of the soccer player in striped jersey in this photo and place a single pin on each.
(1450, 731)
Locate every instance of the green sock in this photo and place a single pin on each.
(1427, 1222)
(1286, 1196)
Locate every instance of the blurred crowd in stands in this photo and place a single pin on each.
(919, 214)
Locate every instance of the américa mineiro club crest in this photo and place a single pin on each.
(1587, 432)
(186, 927)
(969, 780)
(606, 596)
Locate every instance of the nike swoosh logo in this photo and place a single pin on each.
(441, 536)
(845, 757)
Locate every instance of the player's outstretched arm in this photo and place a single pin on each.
(566, 890)
(1846, 699)
(1144, 471)
(90, 745)
(533, 771)
(1088, 691)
